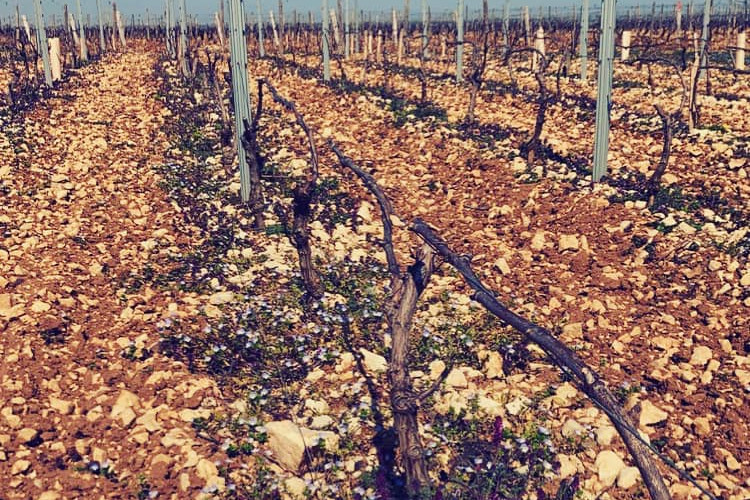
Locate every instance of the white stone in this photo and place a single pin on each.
(651, 414)
(538, 241)
(490, 406)
(295, 488)
(605, 435)
(701, 356)
(573, 330)
(287, 442)
(61, 405)
(568, 242)
(436, 368)
(571, 428)
(608, 466)
(493, 365)
(569, 465)
(374, 363)
(502, 265)
(19, 467)
(628, 477)
(123, 408)
(317, 407)
(516, 406)
(321, 422)
(220, 298)
(456, 379)
(565, 395)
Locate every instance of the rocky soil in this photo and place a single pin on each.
(153, 344)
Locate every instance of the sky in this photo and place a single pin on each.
(204, 9)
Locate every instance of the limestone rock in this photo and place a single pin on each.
(206, 469)
(220, 298)
(456, 379)
(502, 265)
(702, 426)
(571, 428)
(295, 488)
(732, 463)
(517, 405)
(651, 414)
(569, 465)
(493, 365)
(743, 376)
(39, 306)
(321, 422)
(27, 435)
(608, 466)
(19, 467)
(436, 368)
(317, 407)
(568, 242)
(605, 435)
(50, 495)
(489, 406)
(701, 356)
(287, 442)
(565, 395)
(64, 407)
(7, 309)
(374, 363)
(123, 408)
(628, 477)
(573, 330)
(538, 241)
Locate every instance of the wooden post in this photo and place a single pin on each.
(73, 30)
(26, 27)
(357, 15)
(55, 59)
(114, 26)
(395, 27)
(583, 44)
(625, 54)
(184, 66)
(425, 31)
(604, 95)
(41, 40)
(347, 35)
(538, 48)
(102, 41)
(460, 42)
(261, 46)
(527, 25)
(405, 27)
(18, 23)
(240, 94)
(121, 29)
(506, 27)
(276, 42)
(379, 50)
(219, 29)
(705, 33)
(400, 47)
(281, 23)
(221, 25)
(335, 26)
(82, 36)
(326, 50)
(739, 57)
